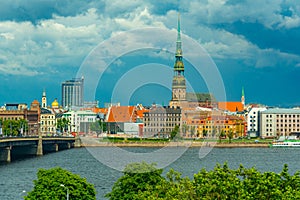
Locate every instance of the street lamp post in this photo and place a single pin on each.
(62, 185)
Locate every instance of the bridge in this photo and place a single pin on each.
(36, 145)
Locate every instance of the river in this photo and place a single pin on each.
(18, 176)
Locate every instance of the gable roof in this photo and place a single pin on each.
(200, 97)
(231, 106)
(121, 114)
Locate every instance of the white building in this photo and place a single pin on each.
(279, 122)
(80, 120)
(253, 121)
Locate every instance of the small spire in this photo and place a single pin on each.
(243, 93)
(243, 97)
(44, 92)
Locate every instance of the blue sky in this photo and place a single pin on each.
(253, 43)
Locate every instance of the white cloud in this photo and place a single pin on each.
(31, 49)
(266, 12)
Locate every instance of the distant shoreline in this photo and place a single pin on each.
(94, 142)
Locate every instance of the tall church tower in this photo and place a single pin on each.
(44, 99)
(178, 84)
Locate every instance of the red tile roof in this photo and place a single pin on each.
(231, 106)
(121, 114)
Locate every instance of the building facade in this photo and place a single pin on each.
(80, 121)
(118, 116)
(279, 122)
(73, 93)
(47, 122)
(253, 121)
(161, 121)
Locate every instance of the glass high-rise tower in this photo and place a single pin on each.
(72, 93)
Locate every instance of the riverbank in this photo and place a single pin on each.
(95, 142)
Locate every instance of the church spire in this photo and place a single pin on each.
(178, 41)
(178, 67)
(243, 97)
(178, 84)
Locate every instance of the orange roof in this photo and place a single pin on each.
(141, 112)
(122, 114)
(100, 110)
(231, 106)
(97, 110)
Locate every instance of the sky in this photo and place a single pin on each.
(125, 49)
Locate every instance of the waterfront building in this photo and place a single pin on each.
(16, 111)
(47, 122)
(212, 126)
(33, 118)
(253, 121)
(160, 121)
(117, 116)
(80, 121)
(73, 93)
(279, 122)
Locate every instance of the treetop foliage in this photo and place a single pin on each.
(56, 182)
(219, 183)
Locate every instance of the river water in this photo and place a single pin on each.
(17, 176)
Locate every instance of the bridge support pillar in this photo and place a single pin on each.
(39, 151)
(77, 142)
(8, 155)
(69, 145)
(56, 147)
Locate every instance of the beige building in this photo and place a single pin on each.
(47, 122)
(279, 122)
(160, 121)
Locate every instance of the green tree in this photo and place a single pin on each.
(219, 183)
(54, 183)
(13, 127)
(138, 179)
(98, 126)
(230, 135)
(63, 124)
(175, 133)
